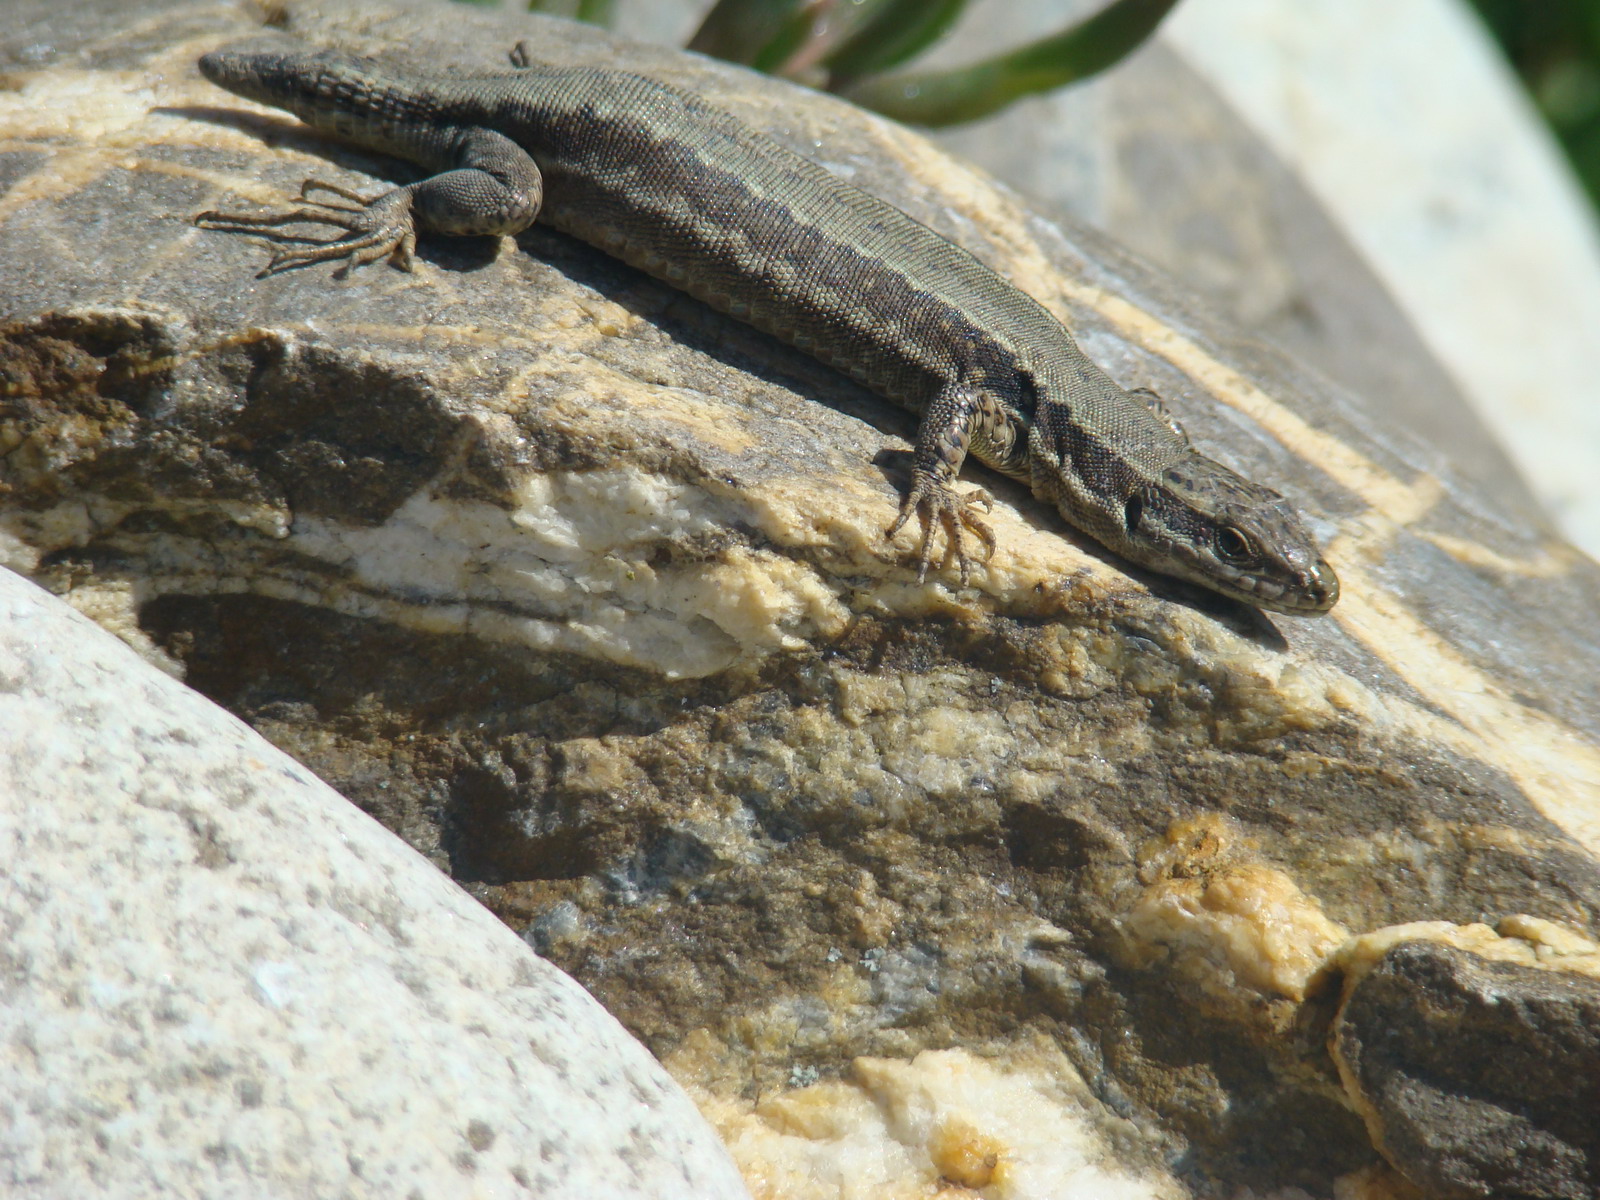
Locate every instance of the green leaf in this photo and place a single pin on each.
(759, 33)
(898, 30)
(832, 24)
(595, 12)
(967, 93)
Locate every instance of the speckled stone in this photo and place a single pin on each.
(218, 979)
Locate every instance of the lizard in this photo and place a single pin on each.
(686, 192)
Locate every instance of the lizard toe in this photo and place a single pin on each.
(940, 508)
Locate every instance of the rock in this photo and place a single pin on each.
(1025, 1126)
(582, 589)
(1475, 1060)
(221, 979)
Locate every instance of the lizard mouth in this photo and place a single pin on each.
(1308, 593)
(1303, 591)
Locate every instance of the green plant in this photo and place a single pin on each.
(1554, 45)
(855, 47)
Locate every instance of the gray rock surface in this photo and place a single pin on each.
(219, 979)
(582, 589)
(1479, 1078)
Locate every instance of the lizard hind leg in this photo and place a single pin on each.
(373, 229)
(494, 188)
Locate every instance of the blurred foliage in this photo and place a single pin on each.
(967, 93)
(1555, 46)
(852, 47)
(823, 43)
(595, 12)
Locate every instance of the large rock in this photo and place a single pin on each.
(219, 979)
(582, 589)
(1474, 1058)
(222, 979)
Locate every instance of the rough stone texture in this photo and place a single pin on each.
(582, 589)
(1479, 1078)
(219, 979)
(945, 1124)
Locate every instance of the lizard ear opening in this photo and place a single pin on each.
(1132, 510)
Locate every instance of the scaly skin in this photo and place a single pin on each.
(685, 192)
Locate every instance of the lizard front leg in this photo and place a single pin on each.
(494, 188)
(942, 442)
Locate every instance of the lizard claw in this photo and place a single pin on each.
(932, 500)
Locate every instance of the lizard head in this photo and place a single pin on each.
(1202, 522)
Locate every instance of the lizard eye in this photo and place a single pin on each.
(1233, 546)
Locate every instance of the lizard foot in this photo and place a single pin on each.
(933, 501)
(373, 229)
